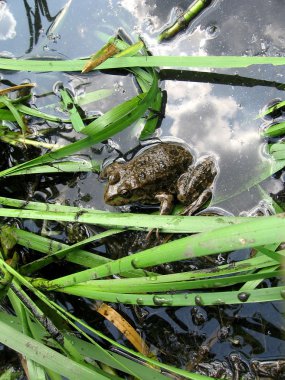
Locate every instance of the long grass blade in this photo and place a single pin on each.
(14, 112)
(185, 299)
(165, 223)
(266, 230)
(153, 285)
(78, 165)
(45, 356)
(75, 118)
(142, 61)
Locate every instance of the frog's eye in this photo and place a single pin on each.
(125, 193)
(114, 178)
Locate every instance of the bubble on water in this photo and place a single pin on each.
(54, 37)
(212, 31)
(119, 87)
(263, 46)
(57, 87)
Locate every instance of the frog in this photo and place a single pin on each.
(161, 174)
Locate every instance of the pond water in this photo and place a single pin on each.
(214, 112)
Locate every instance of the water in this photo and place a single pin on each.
(211, 117)
(212, 113)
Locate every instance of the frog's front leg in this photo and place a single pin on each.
(166, 203)
(194, 187)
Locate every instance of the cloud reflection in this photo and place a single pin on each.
(213, 121)
(7, 23)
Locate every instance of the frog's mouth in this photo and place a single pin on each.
(114, 198)
(117, 200)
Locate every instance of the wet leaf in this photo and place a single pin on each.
(142, 61)
(124, 327)
(8, 240)
(272, 109)
(274, 130)
(18, 117)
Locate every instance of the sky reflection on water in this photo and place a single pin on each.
(212, 118)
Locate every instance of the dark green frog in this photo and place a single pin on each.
(158, 175)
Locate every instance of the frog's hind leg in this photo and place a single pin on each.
(196, 205)
(196, 185)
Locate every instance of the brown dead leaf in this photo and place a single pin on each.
(16, 88)
(101, 56)
(122, 325)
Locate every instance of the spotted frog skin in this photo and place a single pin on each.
(158, 175)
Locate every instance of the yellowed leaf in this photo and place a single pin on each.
(101, 56)
(122, 325)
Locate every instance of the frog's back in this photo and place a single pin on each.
(162, 162)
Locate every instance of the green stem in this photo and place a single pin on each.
(182, 22)
(21, 140)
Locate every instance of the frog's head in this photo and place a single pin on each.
(121, 188)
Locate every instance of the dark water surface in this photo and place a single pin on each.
(212, 113)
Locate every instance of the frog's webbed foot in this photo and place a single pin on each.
(203, 198)
(166, 204)
(150, 233)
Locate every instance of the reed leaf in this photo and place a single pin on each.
(165, 223)
(274, 130)
(141, 61)
(6, 115)
(64, 166)
(91, 351)
(269, 110)
(71, 108)
(14, 112)
(256, 232)
(46, 356)
(177, 300)
(153, 285)
(36, 113)
(93, 96)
